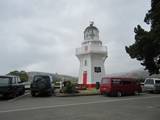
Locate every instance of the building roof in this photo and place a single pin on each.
(91, 27)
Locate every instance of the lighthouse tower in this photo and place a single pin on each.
(92, 56)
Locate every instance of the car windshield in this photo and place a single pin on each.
(157, 81)
(149, 81)
(4, 81)
(46, 78)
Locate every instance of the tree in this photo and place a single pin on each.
(147, 43)
(22, 74)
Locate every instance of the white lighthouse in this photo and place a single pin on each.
(92, 56)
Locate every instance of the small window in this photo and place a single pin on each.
(97, 69)
(157, 81)
(13, 80)
(4, 80)
(149, 81)
(116, 81)
(126, 82)
(39, 77)
(105, 81)
(146, 82)
(85, 62)
(86, 48)
(18, 80)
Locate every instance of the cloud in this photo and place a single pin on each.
(41, 35)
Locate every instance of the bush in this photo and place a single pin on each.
(68, 87)
(22, 74)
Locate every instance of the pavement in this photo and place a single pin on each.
(142, 107)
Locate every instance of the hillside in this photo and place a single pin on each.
(140, 74)
(55, 76)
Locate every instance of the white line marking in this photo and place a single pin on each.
(76, 104)
(16, 98)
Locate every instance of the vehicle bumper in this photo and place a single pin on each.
(41, 91)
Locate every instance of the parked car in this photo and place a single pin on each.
(11, 86)
(113, 86)
(42, 84)
(152, 85)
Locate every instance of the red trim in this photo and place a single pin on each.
(89, 85)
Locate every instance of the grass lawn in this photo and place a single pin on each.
(89, 91)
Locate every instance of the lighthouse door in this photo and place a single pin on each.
(85, 77)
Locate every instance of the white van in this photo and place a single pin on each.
(152, 84)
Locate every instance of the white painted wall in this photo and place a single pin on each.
(93, 60)
(97, 61)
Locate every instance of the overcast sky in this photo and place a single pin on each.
(42, 35)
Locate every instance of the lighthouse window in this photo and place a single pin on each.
(97, 69)
(86, 48)
(85, 62)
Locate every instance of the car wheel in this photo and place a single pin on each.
(12, 95)
(22, 92)
(33, 94)
(119, 94)
(136, 93)
(50, 93)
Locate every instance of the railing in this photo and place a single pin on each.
(91, 49)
